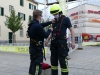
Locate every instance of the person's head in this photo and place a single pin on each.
(37, 14)
(55, 10)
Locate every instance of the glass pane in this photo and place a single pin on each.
(10, 8)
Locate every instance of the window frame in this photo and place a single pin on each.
(22, 15)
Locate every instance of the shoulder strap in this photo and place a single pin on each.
(59, 25)
(61, 22)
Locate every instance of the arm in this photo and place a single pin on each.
(69, 26)
(41, 32)
(72, 34)
(46, 24)
(73, 37)
(50, 36)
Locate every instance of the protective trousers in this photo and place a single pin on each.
(36, 64)
(59, 51)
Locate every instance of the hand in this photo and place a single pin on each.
(53, 21)
(51, 29)
(73, 45)
(46, 43)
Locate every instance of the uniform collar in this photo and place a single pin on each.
(33, 21)
(36, 20)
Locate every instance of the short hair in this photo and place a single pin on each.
(37, 13)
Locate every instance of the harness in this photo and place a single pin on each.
(57, 35)
(57, 30)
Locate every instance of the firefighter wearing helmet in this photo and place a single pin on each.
(58, 47)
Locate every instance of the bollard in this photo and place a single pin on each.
(46, 72)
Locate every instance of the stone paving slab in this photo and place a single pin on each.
(82, 62)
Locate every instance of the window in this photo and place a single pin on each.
(10, 8)
(31, 6)
(75, 26)
(30, 17)
(76, 39)
(76, 22)
(21, 32)
(1, 11)
(22, 15)
(22, 2)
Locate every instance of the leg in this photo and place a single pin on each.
(64, 65)
(36, 64)
(38, 69)
(30, 68)
(54, 61)
(32, 65)
(62, 53)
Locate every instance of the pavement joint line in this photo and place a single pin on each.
(8, 72)
(84, 69)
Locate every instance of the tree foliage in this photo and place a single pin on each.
(13, 22)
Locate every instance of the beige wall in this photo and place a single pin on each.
(23, 9)
(85, 19)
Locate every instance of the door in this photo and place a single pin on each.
(10, 37)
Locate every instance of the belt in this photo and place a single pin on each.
(37, 42)
(58, 38)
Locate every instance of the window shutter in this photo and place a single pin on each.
(2, 11)
(29, 6)
(24, 17)
(34, 7)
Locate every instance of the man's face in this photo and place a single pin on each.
(56, 16)
(39, 18)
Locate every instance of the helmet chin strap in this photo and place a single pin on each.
(59, 16)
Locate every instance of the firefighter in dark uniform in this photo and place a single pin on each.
(37, 34)
(59, 48)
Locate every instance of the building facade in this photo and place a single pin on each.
(24, 9)
(86, 21)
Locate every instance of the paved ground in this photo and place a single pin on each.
(82, 62)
